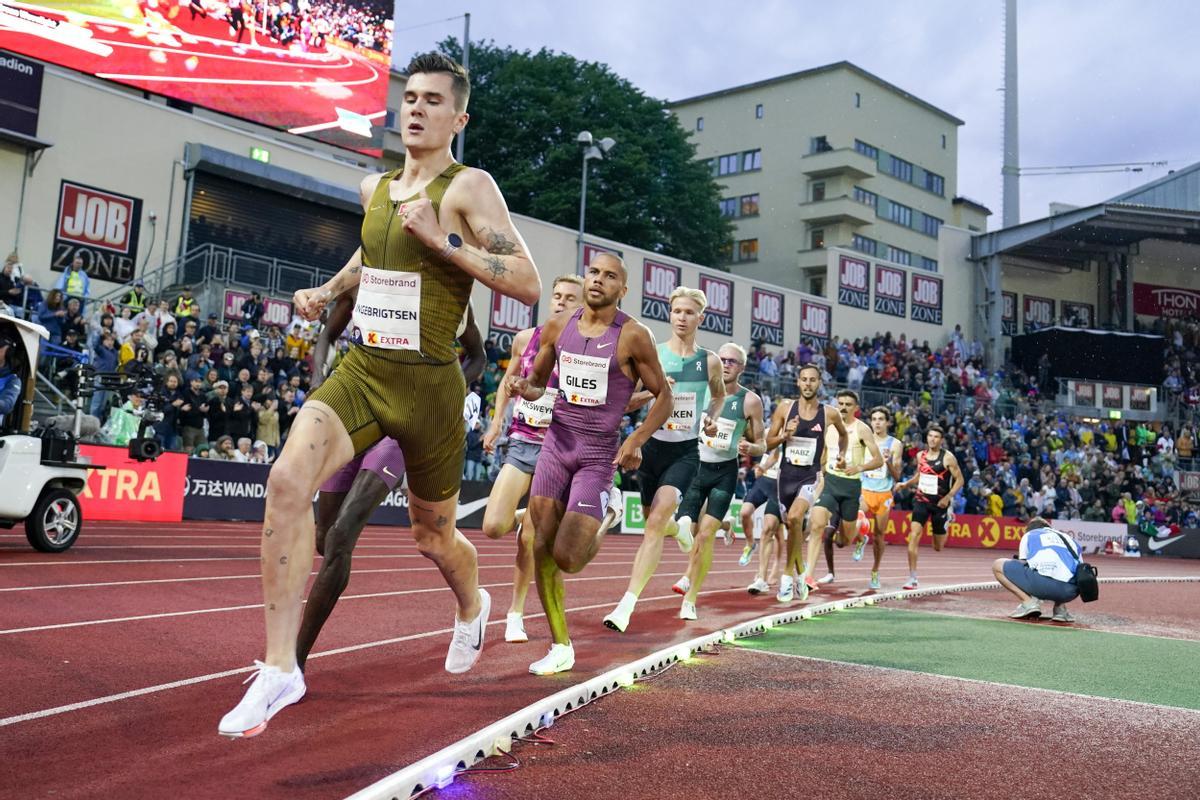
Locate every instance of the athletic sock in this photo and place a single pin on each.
(627, 604)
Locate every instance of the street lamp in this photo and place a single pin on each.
(596, 150)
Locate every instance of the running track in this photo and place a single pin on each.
(120, 656)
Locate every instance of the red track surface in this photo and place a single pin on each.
(370, 710)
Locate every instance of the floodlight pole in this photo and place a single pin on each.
(466, 62)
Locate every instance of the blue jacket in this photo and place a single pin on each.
(48, 318)
(64, 280)
(10, 390)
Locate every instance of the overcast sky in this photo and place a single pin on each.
(1100, 82)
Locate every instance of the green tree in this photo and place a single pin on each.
(650, 191)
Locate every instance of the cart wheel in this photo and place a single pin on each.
(55, 522)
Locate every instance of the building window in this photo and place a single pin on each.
(930, 226)
(866, 198)
(943, 141)
(818, 191)
(901, 215)
(819, 144)
(929, 264)
(857, 100)
(749, 205)
(727, 165)
(935, 183)
(747, 250)
(729, 207)
(816, 285)
(758, 111)
(726, 253)
(751, 160)
(699, 123)
(899, 256)
(867, 150)
(863, 245)
(900, 168)
(816, 239)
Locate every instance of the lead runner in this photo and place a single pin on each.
(430, 230)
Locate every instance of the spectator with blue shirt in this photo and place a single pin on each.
(1044, 569)
(10, 382)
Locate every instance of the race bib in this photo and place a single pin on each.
(537, 413)
(880, 472)
(927, 484)
(471, 407)
(723, 441)
(388, 310)
(800, 451)
(583, 380)
(683, 415)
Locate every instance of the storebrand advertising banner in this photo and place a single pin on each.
(99, 226)
(658, 281)
(718, 318)
(889, 291)
(128, 490)
(766, 317)
(853, 277)
(926, 299)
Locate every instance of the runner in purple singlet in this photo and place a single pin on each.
(601, 352)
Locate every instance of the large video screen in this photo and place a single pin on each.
(317, 68)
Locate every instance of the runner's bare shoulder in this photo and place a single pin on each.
(366, 187)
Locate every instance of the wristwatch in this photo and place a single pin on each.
(453, 242)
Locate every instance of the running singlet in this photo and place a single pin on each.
(802, 451)
(409, 299)
(690, 393)
(880, 478)
(773, 472)
(933, 477)
(531, 418)
(856, 452)
(730, 425)
(593, 391)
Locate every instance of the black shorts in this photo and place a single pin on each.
(715, 482)
(930, 514)
(667, 464)
(764, 490)
(840, 496)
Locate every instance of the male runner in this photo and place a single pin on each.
(716, 479)
(671, 457)
(526, 433)
(600, 351)
(800, 426)
(348, 499)
(430, 231)
(877, 487)
(842, 482)
(761, 515)
(933, 498)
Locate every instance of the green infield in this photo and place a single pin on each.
(119, 10)
(1141, 668)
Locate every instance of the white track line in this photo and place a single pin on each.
(271, 62)
(117, 76)
(1059, 692)
(113, 698)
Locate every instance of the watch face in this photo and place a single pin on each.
(455, 240)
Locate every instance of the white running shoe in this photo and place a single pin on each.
(827, 578)
(467, 642)
(687, 610)
(727, 535)
(758, 587)
(682, 585)
(682, 534)
(785, 589)
(616, 504)
(514, 628)
(802, 587)
(561, 658)
(912, 584)
(618, 619)
(271, 691)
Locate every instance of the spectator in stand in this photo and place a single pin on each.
(166, 340)
(228, 371)
(104, 359)
(10, 381)
(191, 413)
(473, 469)
(261, 453)
(167, 429)
(129, 349)
(136, 299)
(209, 330)
(74, 282)
(217, 409)
(243, 453)
(51, 314)
(223, 448)
(288, 409)
(185, 306)
(11, 290)
(243, 416)
(252, 310)
(268, 424)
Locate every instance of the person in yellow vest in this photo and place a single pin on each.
(74, 282)
(183, 307)
(135, 299)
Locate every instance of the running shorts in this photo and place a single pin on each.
(667, 464)
(715, 482)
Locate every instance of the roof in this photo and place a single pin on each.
(809, 73)
(1179, 189)
(966, 201)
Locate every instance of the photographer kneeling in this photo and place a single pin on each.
(1044, 569)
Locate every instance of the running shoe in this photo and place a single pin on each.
(828, 577)
(618, 619)
(803, 586)
(860, 548)
(785, 589)
(1061, 614)
(913, 583)
(875, 584)
(812, 585)
(682, 585)
(467, 642)
(683, 536)
(616, 504)
(687, 610)
(758, 587)
(864, 524)
(561, 658)
(514, 628)
(271, 690)
(747, 552)
(1030, 608)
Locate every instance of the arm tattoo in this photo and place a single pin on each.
(495, 266)
(495, 241)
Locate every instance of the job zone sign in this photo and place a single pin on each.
(100, 227)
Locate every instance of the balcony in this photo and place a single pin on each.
(844, 161)
(834, 210)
